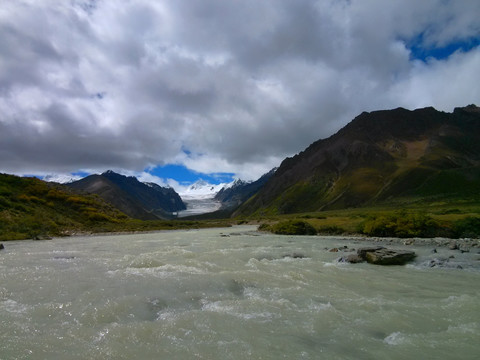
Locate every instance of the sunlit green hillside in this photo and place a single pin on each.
(31, 208)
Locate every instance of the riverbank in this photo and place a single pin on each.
(466, 244)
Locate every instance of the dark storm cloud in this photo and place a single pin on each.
(221, 86)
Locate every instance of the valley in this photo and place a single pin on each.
(387, 173)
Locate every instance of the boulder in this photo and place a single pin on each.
(389, 257)
(2, 247)
(380, 255)
(353, 258)
(453, 245)
(362, 252)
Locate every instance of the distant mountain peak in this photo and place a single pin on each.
(199, 184)
(113, 174)
(472, 108)
(155, 185)
(238, 191)
(239, 182)
(201, 189)
(134, 198)
(61, 179)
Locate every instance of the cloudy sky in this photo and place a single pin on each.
(170, 88)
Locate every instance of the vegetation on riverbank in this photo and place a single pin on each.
(442, 220)
(33, 209)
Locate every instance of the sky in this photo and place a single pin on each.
(176, 90)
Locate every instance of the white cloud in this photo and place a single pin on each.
(240, 85)
(445, 83)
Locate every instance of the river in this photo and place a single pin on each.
(231, 293)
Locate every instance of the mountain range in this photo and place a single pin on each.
(145, 201)
(396, 158)
(239, 191)
(381, 157)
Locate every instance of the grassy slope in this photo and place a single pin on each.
(446, 215)
(394, 158)
(31, 208)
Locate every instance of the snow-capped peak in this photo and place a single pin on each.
(61, 178)
(201, 190)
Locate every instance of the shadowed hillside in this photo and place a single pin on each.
(134, 198)
(240, 191)
(392, 156)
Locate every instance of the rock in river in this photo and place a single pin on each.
(1, 246)
(380, 255)
(389, 257)
(353, 258)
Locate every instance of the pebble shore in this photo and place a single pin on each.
(453, 244)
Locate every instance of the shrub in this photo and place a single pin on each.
(4, 203)
(36, 187)
(402, 224)
(78, 200)
(450, 211)
(264, 227)
(293, 227)
(23, 197)
(331, 230)
(96, 216)
(37, 200)
(56, 195)
(467, 227)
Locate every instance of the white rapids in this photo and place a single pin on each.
(230, 293)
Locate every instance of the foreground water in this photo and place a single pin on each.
(231, 294)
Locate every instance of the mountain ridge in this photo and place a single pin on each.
(134, 198)
(239, 191)
(381, 155)
(35, 209)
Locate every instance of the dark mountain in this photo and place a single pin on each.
(241, 191)
(380, 157)
(32, 208)
(145, 201)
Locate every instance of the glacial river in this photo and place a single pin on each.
(231, 293)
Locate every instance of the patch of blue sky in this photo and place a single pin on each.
(184, 175)
(420, 51)
(80, 174)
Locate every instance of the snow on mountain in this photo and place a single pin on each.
(199, 197)
(201, 190)
(61, 178)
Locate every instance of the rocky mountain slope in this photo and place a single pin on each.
(380, 157)
(32, 208)
(145, 201)
(240, 191)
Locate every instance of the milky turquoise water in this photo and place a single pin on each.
(231, 293)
